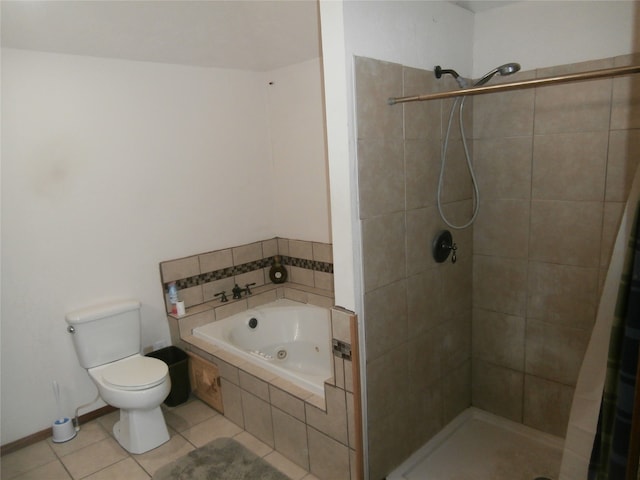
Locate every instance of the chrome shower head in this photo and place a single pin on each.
(506, 69)
(509, 68)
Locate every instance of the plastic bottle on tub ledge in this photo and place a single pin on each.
(173, 297)
(277, 273)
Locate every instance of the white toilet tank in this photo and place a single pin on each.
(105, 333)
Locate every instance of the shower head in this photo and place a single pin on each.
(439, 71)
(506, 69)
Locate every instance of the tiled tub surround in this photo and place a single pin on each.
(319, 434)
(505, 328)
(200, 277)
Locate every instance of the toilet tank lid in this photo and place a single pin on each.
(100, 311)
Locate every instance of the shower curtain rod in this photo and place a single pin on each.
(504, 87)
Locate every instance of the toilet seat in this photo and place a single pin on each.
(135, 373)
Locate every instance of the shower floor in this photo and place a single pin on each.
(480, 446)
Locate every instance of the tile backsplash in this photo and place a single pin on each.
(199, 278)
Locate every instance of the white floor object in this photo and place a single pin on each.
(480, 446)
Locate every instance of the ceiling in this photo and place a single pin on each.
(258, 35)
(481, 5)
(248, 35)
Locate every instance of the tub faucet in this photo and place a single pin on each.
(237, 291)
(222, 294)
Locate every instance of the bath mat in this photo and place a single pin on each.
(221, 459)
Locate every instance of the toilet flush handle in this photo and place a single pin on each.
(70, 329)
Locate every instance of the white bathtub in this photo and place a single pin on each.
(289, 339)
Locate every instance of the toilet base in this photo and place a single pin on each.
(139, 431)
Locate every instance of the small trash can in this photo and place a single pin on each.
(178, 363)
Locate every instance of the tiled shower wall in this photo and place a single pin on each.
(417, 312)
(554, 166)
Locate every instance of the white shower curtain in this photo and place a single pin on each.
(583, 420)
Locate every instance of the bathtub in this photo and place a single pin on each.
(287, 338)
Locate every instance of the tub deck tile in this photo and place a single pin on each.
(252, 384)
(201, 344)
(316, 401)
(259, 372)
(231, 358)
(293, 389)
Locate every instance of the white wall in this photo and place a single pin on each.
(417, 34)
(108, 168)
(541, 34)
(301, 186)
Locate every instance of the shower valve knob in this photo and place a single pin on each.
(443, 246)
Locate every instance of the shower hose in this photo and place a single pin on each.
(476, 194)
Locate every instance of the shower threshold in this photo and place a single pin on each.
(480, 445)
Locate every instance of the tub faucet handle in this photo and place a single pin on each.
(247, 289)
(222, 294)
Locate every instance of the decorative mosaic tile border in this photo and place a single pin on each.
(250, 267)
(308, 264)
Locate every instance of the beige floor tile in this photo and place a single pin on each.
(95, 455)
(89, 433)
(210, 429)
(127, 469)
(108, 421)
(310, 476)
(286, 466)
(187, 415)
(26, 459)
(93, 458)
(157, 458)
(253, 444)
(50, 471)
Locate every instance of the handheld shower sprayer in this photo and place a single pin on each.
(503, 70)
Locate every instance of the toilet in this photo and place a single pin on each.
(107, 342)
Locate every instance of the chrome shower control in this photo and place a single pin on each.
(443, 245)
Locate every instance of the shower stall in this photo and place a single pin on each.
(503, 329)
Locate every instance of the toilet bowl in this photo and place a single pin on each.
(107, 342)
(136, 385)
(134, 382)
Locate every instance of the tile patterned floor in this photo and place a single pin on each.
(95, 455)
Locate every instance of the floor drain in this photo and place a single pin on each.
(543, 478)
